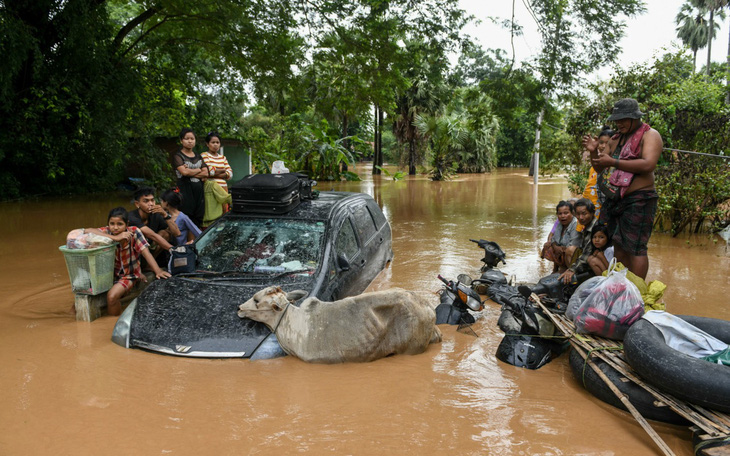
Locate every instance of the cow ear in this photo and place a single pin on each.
(295, 295)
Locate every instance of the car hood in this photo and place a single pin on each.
(190, 317)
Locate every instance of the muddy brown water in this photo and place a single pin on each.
(67, 389)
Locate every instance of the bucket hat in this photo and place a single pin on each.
(626, 108)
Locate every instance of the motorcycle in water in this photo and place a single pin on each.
(490, 273)
(457, 298)
(528, 341)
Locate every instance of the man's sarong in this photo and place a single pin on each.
(631, 219)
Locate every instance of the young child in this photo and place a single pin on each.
(171, 202)
(602, 250)
(127, 269)
(591, 191)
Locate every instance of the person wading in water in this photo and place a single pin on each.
(626, 179)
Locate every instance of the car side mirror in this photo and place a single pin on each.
(342, 263)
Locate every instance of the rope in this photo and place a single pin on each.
(695, 153)
(538, 335)
(588, 355)
(711, 443)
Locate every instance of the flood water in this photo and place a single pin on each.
(67, 389)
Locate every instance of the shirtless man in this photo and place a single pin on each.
(628, 211)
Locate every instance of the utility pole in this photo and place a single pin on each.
(536, 154)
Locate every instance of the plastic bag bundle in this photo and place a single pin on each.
(651, 292)
(278, 167)
(78, 239)
(580, 294)
(611, 308)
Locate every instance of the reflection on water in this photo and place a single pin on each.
(68, 389)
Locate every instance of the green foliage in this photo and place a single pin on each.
(578, 36)
(396, 177)
(517, 99)
(693, 190)
(446, 135)
(478, 153)
(303, 142)
(578, 179)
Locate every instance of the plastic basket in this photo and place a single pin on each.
(91, 270)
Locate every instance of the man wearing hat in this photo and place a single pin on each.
(626, 179)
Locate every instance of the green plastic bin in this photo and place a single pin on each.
(91, 270)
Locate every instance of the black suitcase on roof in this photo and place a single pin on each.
(266, 193)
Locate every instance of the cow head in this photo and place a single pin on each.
(268, 304)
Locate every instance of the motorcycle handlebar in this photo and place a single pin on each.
(448, 283)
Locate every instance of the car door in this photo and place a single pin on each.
(346, 260)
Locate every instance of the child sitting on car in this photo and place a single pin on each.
(131, 245)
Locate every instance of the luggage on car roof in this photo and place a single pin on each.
(271, 193)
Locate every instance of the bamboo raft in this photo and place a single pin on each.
(708, 425)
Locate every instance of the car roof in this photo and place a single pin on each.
(319, 208)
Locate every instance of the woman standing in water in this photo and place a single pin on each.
(190, 169)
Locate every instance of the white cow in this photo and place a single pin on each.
(357, 329)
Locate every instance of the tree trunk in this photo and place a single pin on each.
(535, 166)
(345, 143)
(727, 67)
(380, 137)
(412, 156)
(375, 142)
(709, 41)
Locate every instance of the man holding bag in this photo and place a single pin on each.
(626, 179)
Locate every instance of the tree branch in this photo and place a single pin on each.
(131, 25)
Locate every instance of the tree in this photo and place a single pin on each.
(713, 6)
(692, 28)
(81, 74)
(446, 134)
(578, 36)
(426, 94)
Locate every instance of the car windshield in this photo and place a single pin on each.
(261, 246)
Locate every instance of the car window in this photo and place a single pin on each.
(347, 241)
(261, 245)
(364, 222)
(376, 213)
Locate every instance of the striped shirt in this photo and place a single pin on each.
(218, 161)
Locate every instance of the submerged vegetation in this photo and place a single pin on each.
(89, 86)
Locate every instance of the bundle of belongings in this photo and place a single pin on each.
(79, 239)
(689, 339)
(608, 305)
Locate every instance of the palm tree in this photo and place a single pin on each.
(713, 6)
(446, 135)
(426, 93)
(692, 28)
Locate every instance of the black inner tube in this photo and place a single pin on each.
(691, 379)
(639, 397)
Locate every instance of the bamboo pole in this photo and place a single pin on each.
(627, 403)
(709, 424)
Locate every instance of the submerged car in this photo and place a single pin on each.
(332, 247)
